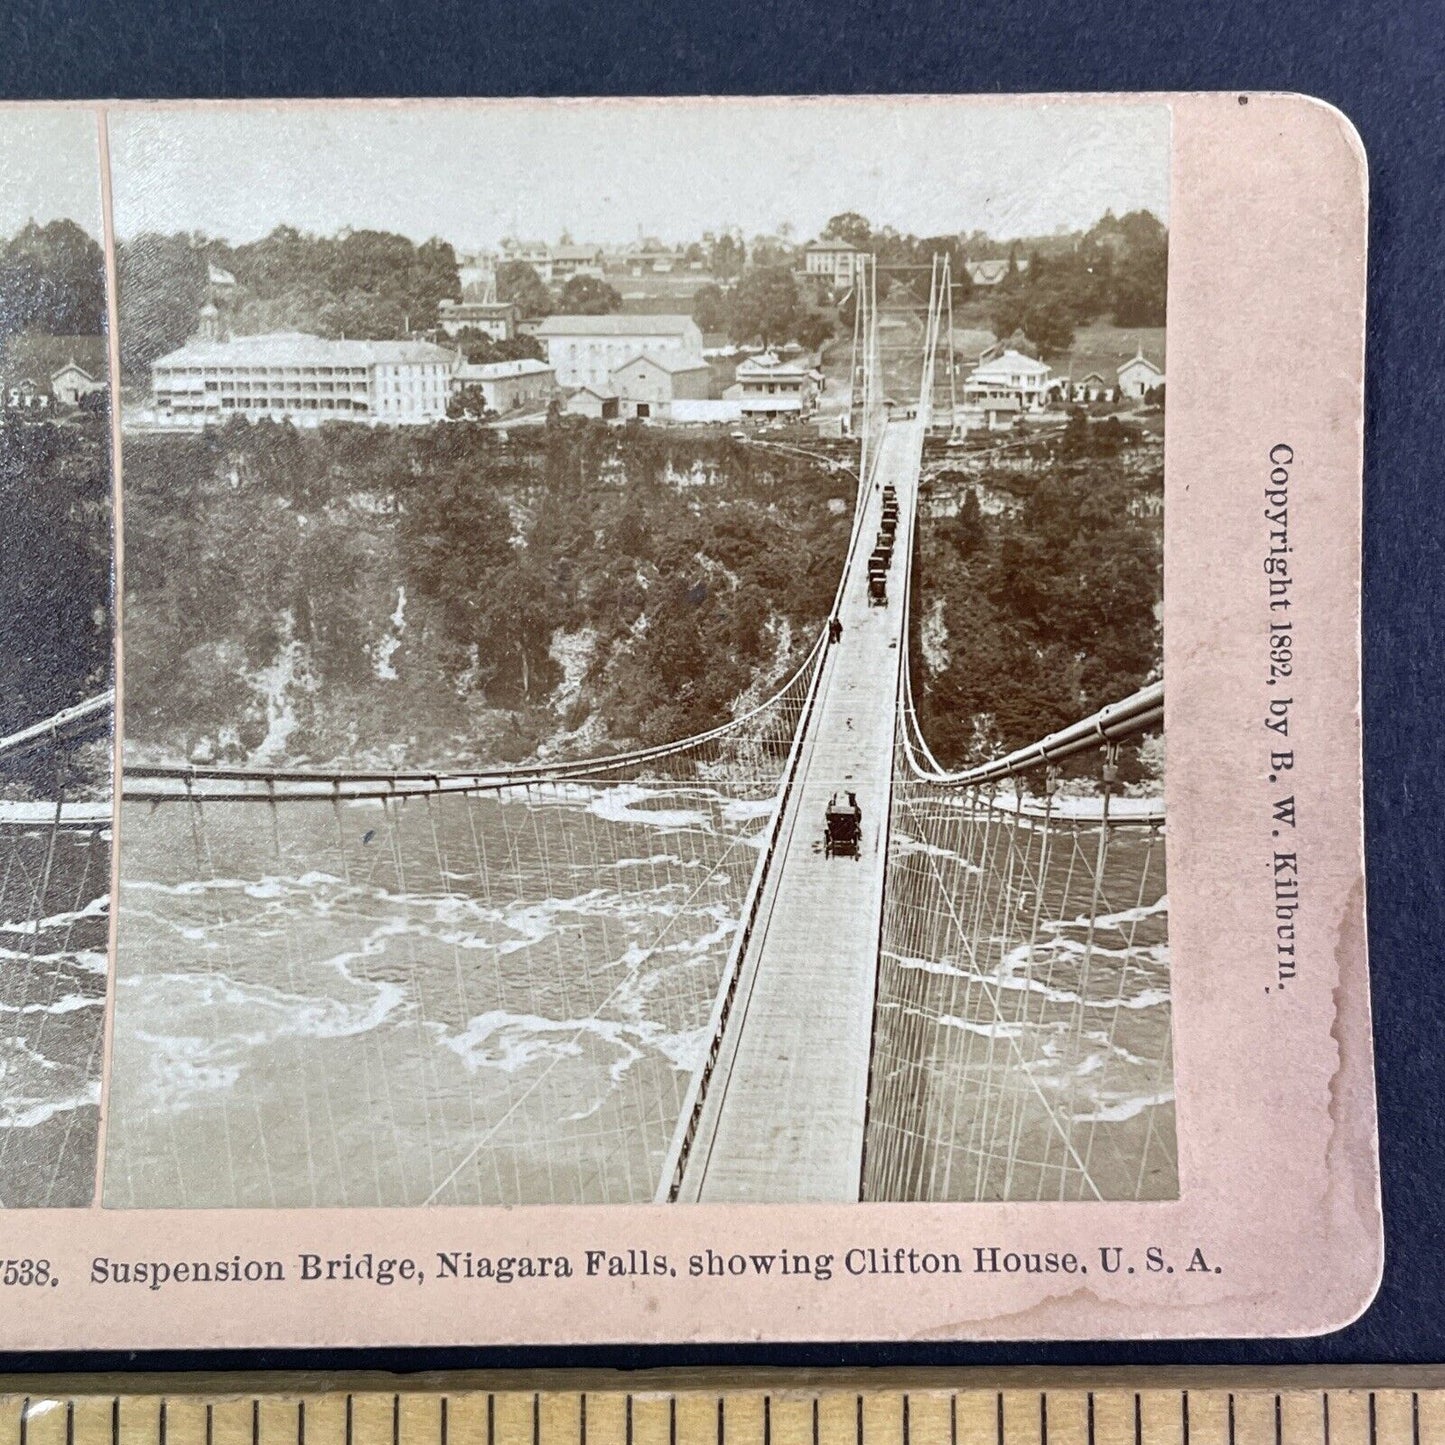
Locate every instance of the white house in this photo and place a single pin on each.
(586, 350)
(1093, 387)
(569, 260)
(1010, 374)
(72, 381)
(1139, 376)
(833, 261)
(766, 385)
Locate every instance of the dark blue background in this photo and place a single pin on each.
(1383, 65)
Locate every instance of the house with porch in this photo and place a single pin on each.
(1011, 374)
(767, 385)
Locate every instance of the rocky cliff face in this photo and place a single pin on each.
(437, 597)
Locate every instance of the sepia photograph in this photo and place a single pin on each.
(56, 643)
(643, 659)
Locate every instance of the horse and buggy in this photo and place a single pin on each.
(842, 827)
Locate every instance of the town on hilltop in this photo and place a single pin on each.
(368, 327)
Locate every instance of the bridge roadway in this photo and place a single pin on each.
(783, 1115)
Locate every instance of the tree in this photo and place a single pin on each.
(55, 558)
(849, 226)
(482, 350)
(1140, 288)
(710, 308)
(588, 296)
(519, 283)
(768, 251)
(52, 280)
(469, 404)
(812, 330)
(434, 279)
(727, 257)
(162, 284)
(1045, 320)
(764, 307)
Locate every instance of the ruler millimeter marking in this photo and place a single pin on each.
(699, 1415)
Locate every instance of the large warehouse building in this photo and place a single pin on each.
(586, 350)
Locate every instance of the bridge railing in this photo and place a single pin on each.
(548, 952)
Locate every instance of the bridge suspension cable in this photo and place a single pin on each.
(513, 975)
(55, 845)
(1022, 1041)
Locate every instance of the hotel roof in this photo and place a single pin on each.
(298, 348)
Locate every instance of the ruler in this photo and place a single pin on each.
(1160, 1407)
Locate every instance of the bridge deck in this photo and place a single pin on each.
(783, 1116)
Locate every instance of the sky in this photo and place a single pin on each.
(49, 166)
(607, 171)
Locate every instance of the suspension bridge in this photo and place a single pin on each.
(640, 976)
(55, 838)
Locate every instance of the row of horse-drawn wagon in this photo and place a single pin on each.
(882, 556)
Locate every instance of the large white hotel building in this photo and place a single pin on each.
(304, 378)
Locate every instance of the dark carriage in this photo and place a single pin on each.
(877, 586)
(842, 827)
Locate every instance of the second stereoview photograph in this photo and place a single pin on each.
(642, 655)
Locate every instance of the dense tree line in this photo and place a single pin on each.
(1041, 608)
(764, 306)
(1119, 269)
(52, 281)
(358, 283)
(55, 567)
(408, 589)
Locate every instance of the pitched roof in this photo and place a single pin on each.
(769, 364)
(987, 272)
(502, 370)
(1106, 350)
(670, 364)
(1010, 361)
(829, 243)
(616, 324)
(298, 348)
(479, 308)
(1139, 359)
